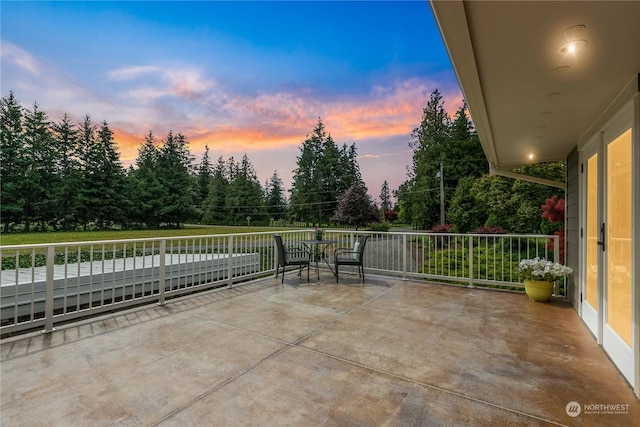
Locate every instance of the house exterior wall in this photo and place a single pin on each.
(572, 226)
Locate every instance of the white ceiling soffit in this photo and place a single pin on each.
(530, 99)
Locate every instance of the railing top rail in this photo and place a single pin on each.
(428, 233)
(263, 233)
(145, 239)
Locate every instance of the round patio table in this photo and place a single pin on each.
(318, 251)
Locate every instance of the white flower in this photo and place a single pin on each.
(541, 269)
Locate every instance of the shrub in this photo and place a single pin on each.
(391, 215)
(380, 226)
(494, 229)
(441, 228)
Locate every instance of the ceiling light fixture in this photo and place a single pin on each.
(530, 156)
(573, 47)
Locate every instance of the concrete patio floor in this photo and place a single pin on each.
(391, 352)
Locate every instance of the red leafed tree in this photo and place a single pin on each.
(355, 207)
(553, 210)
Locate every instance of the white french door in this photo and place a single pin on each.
(592, 196)
(607, 286)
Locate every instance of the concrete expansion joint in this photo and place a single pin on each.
(286, 346)
(219, 386)
(432, 386)
(298, 344)
(339, 346)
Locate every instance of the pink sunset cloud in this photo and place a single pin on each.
(270, 128)
(137, 99)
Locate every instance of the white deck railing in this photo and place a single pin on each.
(45, 284)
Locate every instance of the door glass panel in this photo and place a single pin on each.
(618, 249)
(592, 232)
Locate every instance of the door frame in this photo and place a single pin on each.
(592, 317)
(618, 350)
(597, 143)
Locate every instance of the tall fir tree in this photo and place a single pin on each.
(112, 206)
(464, 155)
(174, 173)
(214, 205)
(203, 179)
(12, 161)
(245, 196)
(66, 140)
(324, 172)
(439, 143)
(146, 188)
(87, 154)
(40, 178)
(274, 197)
(385, 199)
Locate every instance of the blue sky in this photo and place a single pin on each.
(239, 76)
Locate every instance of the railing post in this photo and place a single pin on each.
(470, 262)
(162, 271)
(230, 263)
(556, 258)
(404, 256)
(48, 303)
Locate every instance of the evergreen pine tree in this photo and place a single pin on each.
(174, 173)
(385, 199)
(146, 187)
(110, 204)
(66, 140)
(214, 205)
(245, 196)
(40, 179)
(203, 179)
(274, 197)
(12, 161)
(324, 172)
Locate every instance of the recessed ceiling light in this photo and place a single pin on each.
(530, 156)
(572, 47)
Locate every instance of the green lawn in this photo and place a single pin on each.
(86, 236)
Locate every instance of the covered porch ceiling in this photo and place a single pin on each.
(530, 98)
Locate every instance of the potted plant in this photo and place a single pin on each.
(539, 274)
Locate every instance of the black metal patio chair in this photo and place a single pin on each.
(301, 257)
(351, 256)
